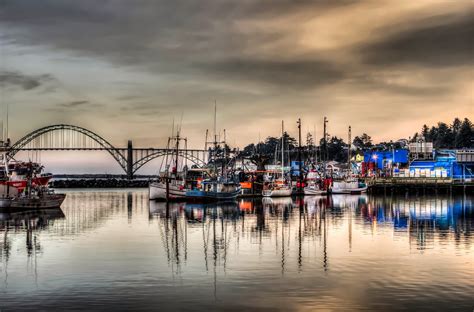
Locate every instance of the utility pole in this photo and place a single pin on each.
(300, 166)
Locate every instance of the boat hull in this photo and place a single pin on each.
(276, 193)
(312, 192)
(43, 202)
(157, 191)
(198, 195)
(359, 190)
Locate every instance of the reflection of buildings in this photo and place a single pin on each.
(424, 219)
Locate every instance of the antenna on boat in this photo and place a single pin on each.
(172, 129)
(314, 142)
(180, 122)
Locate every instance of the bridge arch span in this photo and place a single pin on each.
(161, 153)
(103, 143)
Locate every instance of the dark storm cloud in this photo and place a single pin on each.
(25, 82)
(289, 73)
(437, 41)
(216, 39)
(173, 37)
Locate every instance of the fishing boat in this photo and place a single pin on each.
(172, 185)
(279, 187)
(219, 186)
(35, 201)
(312, 186)
(348, 186)
(15, 174)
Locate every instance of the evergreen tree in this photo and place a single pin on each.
(465, 136)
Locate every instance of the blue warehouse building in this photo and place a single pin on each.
(383, 158)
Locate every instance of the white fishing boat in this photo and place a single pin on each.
(176, 190)
(172, 185)
(349, 186)
(279, 187)
(313, 189)
(312, 186)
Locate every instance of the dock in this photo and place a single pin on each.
(420, 185)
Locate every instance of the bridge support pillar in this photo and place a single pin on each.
(130, 160)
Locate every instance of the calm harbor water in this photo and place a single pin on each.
(115, 250)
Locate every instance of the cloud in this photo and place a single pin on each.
(289, 73)
(82, 106)
(25, 82)
(74, 104)
(444, 40)
(263, 60)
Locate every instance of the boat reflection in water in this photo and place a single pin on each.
(31, 222)
(346, 252)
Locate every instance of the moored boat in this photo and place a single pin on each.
(350, 186)
(279, 187)
(214, 190)
(171, 186)
(174, 191)
(313, 189)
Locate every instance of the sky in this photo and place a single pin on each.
(127, 69)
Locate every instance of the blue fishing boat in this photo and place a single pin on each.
(214, 190)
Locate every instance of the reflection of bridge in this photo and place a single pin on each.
(73, 138)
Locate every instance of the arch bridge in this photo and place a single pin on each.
(64, 137)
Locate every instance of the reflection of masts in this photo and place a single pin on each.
(350, 229)
(205, 240)
(300, 236)
(282, 246)
(215, 251)
(325, 252)
(5, 251)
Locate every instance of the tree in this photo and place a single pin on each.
(309, 140)
(425, 132)
(465, 136)
(456, 135)
(290, 142)
(456, 126)
(363, 142)
(444, 136)
(337, 149)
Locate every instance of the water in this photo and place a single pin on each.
(115, 250)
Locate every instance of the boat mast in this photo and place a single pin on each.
(325, 148)
(300, 165)
(177, 152)
(215, 137)
(282, 151)
(349, 152)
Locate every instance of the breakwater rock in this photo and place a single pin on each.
(98, 183)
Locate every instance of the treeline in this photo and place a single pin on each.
(460, 134)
